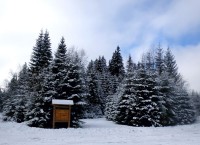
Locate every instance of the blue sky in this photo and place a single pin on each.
(99, 26)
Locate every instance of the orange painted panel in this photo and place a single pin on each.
(62, 115)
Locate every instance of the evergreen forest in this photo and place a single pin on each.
(150, 92)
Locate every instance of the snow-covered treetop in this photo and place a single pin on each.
(62, 102)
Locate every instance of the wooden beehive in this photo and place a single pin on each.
(61, 111)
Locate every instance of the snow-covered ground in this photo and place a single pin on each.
(99, 132)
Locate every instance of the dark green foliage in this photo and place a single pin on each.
(147, 111)
(127, 100)
(139, 103)
(94, 104)
(171, 66)
(159, 61)
(22, 96)
(112, 104)
(93, 92)
(185, 113)
(116, 66)
(195, 97)
(73, 91)
(10, 99)
(167, 103)
(59, 71)
(1, 99)
(39, 64)
(42, 55)
(99, 83)
(40, 112)
(16, 97)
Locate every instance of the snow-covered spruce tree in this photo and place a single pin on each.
(148, 61)
(165, 89)
(93, 107)
(40, 61)
(100, 65)
(146, 109)
(59, 70)
(116, 66)
(1, 99)
(42, 55)
(10, 99)
(78, 58)
(185, 113)
(171, 66)
(41, 113)
(22, 96)
(47, 52)
(195, 96)
(98, 70)
(112, 103)
(175, 98)
(73, 91)
(103, 77)
(170, 97)
(159, 61)
(127, 101)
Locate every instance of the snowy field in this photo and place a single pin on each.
(99, 132)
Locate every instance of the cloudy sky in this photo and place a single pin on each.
(98, 26)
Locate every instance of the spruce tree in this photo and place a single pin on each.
(47, 55)
(171, 66)
(166, 90)
(147, 111)
(127, 101)
(98, 69)
(22, 96)
(42, 55)
(93, 108)
(74, 92)
(1, 99)
(176, 102)
(159, 61)
(10, 99)
(40, 61)
(36, 63)
(195, 96)
(59, 70)
(116, 66)
(41, 112)
(185, 113)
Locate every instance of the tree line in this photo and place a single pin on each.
(149, 93)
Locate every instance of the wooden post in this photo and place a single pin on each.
(69, 116)
(54, 115)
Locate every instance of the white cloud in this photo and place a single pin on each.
(181, 17)
(96, 26)
(188, 60)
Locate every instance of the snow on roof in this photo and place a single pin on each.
(62, 102)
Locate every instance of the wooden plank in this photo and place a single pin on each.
(62, 115)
